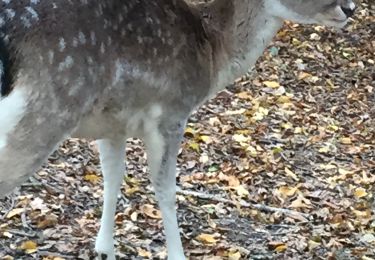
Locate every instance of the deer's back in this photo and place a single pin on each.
(101, 58)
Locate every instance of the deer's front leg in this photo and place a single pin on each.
(112, 155)
(162, 149)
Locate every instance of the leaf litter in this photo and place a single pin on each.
(295, 134)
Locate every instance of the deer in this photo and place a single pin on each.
(110, 70)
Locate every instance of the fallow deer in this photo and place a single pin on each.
(113, 69)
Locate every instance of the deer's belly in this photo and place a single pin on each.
(121, 123)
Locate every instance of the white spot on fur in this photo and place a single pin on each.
(12, 109)
(93, 38)
(66, 64)
(75, 42)
(82, 38)
(10, 13)
(51, 56)
(33, 13)
(26, 22)
(119, 72)
(62, 44)
(102, 48)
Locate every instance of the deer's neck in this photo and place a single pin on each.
(240, 31)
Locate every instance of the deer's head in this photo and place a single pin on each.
(327, 12)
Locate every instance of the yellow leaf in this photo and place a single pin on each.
(132, 190)
(344, 171)
(360, 193)
(206, 139)
(287, 191)
(241, 191)
(234, 256)
(281, 248)
(7, 257)
(260, 114)
(291, 174)
(93, 178)
(366, 214)
(194, 146)
(287, 125)
(333, 128)
(206, 238)
(144, 253)
(313, 244)
(15, 212)
(324, 149)
(252, 150)
(330, 83)
(271, 84)
(298, 130)
(240, 138)
(190, 131)
(304, 75)
(29, 247)
(283, 100)
(244, 95)
(296, 42)
(346, 140)
(233, 181)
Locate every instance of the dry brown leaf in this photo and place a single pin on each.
(150, 211)
(206, 238)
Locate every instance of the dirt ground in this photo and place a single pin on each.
(281, 165)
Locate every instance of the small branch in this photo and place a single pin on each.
(55, 255)
(261, 207)
(9, 209)
(22, 233)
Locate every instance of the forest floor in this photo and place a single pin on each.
(281, 165)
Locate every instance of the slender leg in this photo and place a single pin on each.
(112, 155)
(162, 147)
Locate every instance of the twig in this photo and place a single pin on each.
(261, 207)
(52, 254)
(9, 209)
(22, 233)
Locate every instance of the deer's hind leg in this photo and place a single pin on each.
(31, 127)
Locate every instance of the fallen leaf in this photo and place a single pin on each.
(360, 193)
(15, 212)
(206, 238)
(144, 253)
(29, 247)
(271, 84)
(93, 178)
(150, 211)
